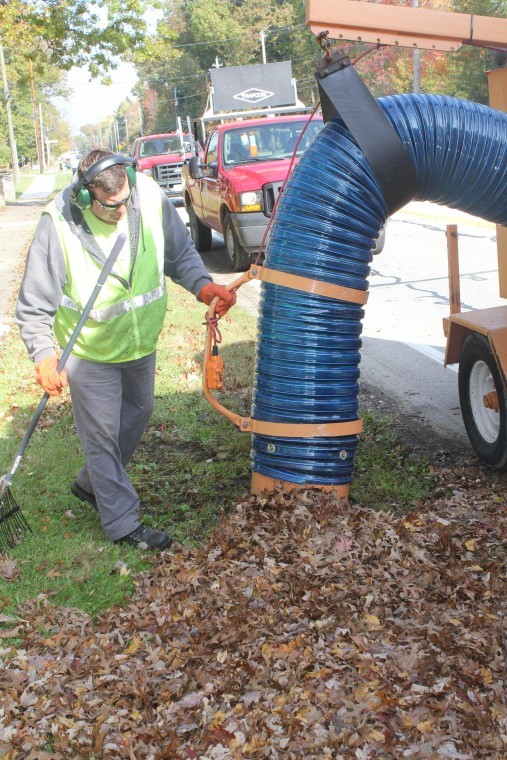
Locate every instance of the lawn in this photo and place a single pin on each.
(289, 626)
(191, 467)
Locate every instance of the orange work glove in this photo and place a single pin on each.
(226, 298)
(48, 378)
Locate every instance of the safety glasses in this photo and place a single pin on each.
(113, 206)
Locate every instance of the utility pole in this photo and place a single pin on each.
(7, 98)
(117, 136)
(140, 121)
(416, 60)
(175, 106)
(35, 122)
(263, 47)
(42, 140)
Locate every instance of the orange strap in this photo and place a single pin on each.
(307, 285)
(300, 430)
(282, 429)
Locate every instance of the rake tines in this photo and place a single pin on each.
(13, 523)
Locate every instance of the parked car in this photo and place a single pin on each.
(234, 189)
(74, 162)
(162, 157)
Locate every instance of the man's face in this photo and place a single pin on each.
(110, 215)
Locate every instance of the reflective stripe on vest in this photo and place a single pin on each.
(102, 315)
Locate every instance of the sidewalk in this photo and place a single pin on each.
(17, 225)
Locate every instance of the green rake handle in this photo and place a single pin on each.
(6, 480)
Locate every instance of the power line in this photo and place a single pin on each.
(277, 30)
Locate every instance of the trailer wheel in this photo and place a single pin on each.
(482, 400)
(201, 235)
(237, 255)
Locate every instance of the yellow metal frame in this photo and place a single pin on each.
(497, 86)
(491, 322)
(404, 26)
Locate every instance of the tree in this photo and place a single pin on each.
(57, 135)
(462, 73)
(59, 34)
(194, 35)
(70, 33)
(47, 83)
(467, 68)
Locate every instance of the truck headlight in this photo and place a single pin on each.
(148, 172)
(250, 201)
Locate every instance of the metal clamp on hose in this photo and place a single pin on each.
(344, 94)
(212, 368)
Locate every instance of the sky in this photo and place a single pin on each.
(90, 101)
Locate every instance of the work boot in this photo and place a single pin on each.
(83, 495)
(145, 538)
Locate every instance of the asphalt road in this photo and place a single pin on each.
(403, 342)
(17, 223)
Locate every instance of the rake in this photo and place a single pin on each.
(13, 523)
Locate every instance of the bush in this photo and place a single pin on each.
(5, 154)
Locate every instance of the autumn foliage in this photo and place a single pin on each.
(303, 628)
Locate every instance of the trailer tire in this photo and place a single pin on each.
(479, 375)
(201, 235)
(236, 254)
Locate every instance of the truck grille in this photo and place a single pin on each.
(168, 174)
(270, 193)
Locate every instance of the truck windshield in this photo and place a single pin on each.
(169, 144)
(267, 141)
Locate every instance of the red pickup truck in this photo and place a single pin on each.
(162, 156)
(234, 188)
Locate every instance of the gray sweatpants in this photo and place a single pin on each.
(112, 404)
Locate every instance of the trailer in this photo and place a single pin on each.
(477, 340)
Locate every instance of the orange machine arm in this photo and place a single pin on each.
(407, 27)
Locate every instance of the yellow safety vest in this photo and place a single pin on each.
(125, 323)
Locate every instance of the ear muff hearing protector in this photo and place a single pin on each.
(81, 196)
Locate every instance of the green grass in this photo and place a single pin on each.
(24, 183)
(61, 180)
(190, 468)
(387, 474)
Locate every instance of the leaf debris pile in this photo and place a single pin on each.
(304, 628)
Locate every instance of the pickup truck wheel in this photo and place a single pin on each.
(380, 241)
(237, 255)
(482, 400)
(201, 235)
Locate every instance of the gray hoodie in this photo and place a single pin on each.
(45, 274)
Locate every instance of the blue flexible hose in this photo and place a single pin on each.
(331, 211)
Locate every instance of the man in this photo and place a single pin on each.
(111, 370)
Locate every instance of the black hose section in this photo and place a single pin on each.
(331, 211)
